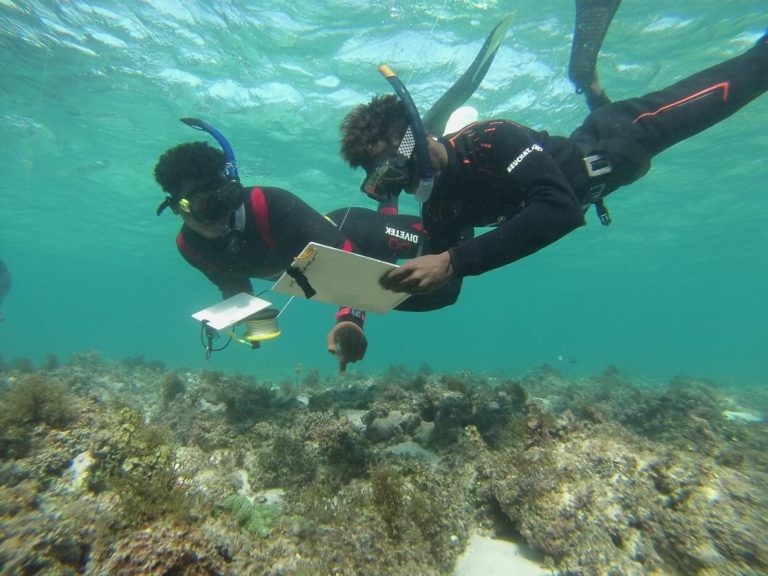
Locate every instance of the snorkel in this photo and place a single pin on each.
(230, 167)
(237, 218)
(416, 132)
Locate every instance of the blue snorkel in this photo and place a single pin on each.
(230, 168)
(228, 198)
(415, 131)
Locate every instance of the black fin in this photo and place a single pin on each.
(435, 120)
(592, 20)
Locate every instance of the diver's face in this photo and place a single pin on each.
(387, 173)
(388, 177)
(204, 206)
(208, 231)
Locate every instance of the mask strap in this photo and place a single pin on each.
(407, 144)
(167, 203)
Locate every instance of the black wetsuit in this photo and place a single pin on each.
(534, 187)
(278, 225)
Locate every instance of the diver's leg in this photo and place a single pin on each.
(632, 131)
(444, 296)
(390, 206)
(661, 119)
(595, 95)
(388, 237)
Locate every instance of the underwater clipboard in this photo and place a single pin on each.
(327, 274)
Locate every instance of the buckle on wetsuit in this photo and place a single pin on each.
(597, 165)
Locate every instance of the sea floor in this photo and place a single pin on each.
(129, 468)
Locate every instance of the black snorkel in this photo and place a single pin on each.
(416, 128)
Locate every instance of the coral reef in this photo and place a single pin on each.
(255, 517)
(129, 468)
(598, 497)
(161, 549)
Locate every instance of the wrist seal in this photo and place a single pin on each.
(348, 314)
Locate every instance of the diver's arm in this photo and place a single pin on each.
(551, 211)
(231, 285)
(228, 283)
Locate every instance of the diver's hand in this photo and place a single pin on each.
(420, 275)
(348, 343)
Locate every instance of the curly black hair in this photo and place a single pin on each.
(189, 161)
(383, 118)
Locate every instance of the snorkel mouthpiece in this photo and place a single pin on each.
(415, 131)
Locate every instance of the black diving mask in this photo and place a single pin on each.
(388, 178)
(212, 202)
(391, 172)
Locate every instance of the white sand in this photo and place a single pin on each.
(743, 415)
(490, 557)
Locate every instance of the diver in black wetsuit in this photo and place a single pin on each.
(532, 187)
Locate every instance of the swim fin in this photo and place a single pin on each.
(437, 117)
(592, 20)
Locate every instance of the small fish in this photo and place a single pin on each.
(5, 285)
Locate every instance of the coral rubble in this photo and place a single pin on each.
(129, 468)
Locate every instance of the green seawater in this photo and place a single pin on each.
(91, 94)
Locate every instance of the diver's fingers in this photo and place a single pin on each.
(392, 279)
(334, 348)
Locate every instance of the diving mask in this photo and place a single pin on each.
(213, 201)
(388, 178)
(391, 173)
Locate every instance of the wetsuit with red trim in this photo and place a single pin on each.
(278, 225)
(533, 187)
